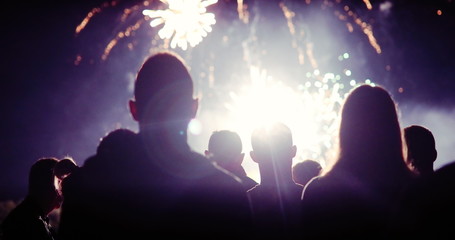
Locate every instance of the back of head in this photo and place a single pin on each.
(225, 146)
(163, 89)
(118, 153)
(421, 146)
(113, 145)
(272, 142)
(304, 171)
(370, 135)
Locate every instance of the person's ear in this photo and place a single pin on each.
(194, 107)
(435, 155)
(293, 151)
(133, 109)
(253, 156)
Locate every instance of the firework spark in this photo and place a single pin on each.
(311, 110)
(120, 35)
(242, 11)
(185, 21)
(367, 29)
(368, 4)
(91, 14)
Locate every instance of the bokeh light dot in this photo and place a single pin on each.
(195, 127)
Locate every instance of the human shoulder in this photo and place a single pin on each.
(214, 170)
(248, 182)
(23, 218)
(256, 190)
(114, 151)
(314, 185)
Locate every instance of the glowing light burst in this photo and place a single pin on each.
(311, 110)
(185, 21)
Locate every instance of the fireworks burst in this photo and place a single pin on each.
(185, 21)
(310, 111)
(309, 106)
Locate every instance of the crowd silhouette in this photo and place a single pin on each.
(151, 184)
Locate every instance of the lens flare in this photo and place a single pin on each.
(185, 21)
(310, 110)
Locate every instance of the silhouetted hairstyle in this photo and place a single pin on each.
(370, 137)
(304, 171)
(356, 197)
(421, 148)
(225, 144)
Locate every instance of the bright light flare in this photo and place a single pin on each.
(185, 21)
(310, 111)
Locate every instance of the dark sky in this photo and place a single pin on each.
(50, 107)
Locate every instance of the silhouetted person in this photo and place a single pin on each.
(421, 149)
(355, 198)
(151, 184)
(436, 218)
(428, 202)
(225, 148)
(276, 199)
(428, 208)
(303, 172)
(29, 220)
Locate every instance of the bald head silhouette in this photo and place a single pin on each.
(421, 147)
(163, 91)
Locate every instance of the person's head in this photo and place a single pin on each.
(163, 92)
(113, 145)
(304, 171)
(225, 147)
(370, 135)
(273, 148)
(65, 167)
(42, 184)
(421, 148)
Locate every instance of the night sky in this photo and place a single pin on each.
(53, 104)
